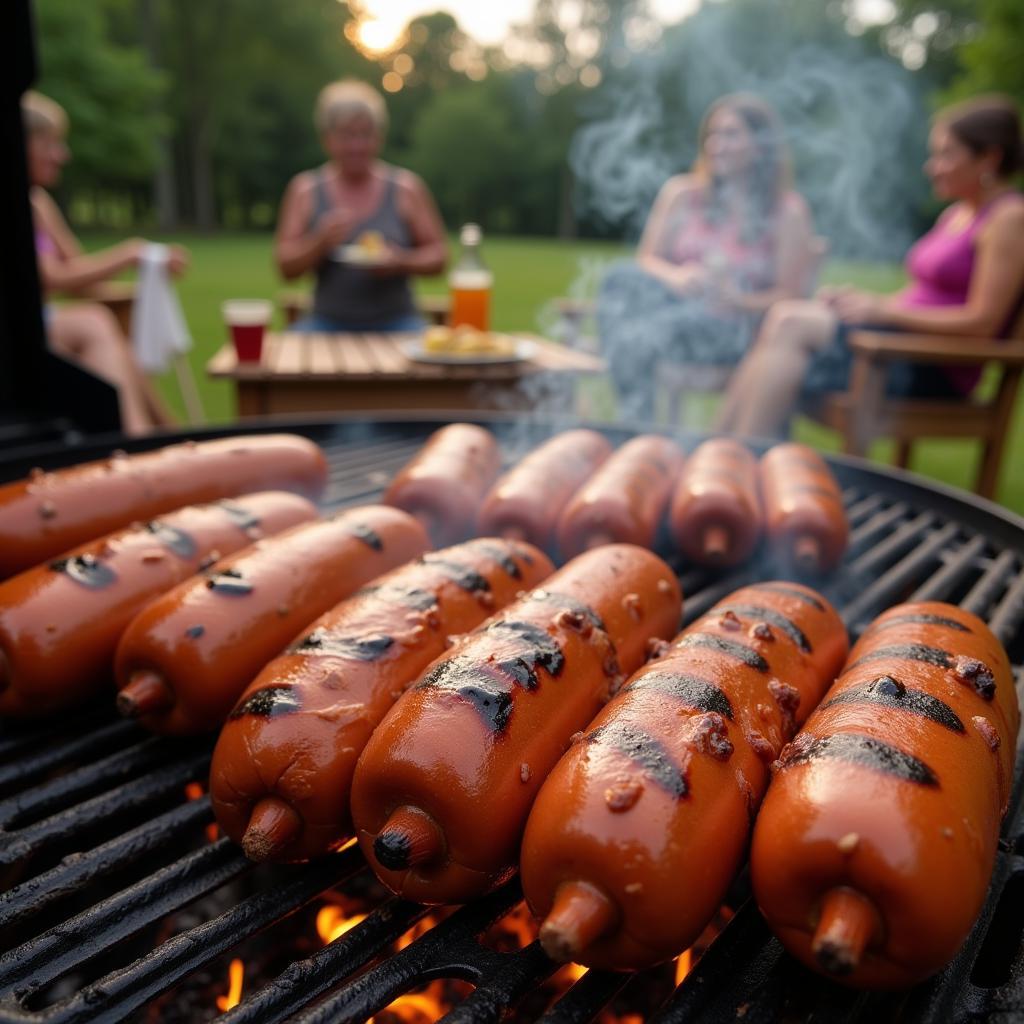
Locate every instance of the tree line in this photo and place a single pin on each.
(197, 112)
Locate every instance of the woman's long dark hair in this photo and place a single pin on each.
(986, 123)
(770, 171)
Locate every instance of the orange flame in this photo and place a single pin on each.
(236, 975)
(332, 922)
(418, 1008)
(684, 964)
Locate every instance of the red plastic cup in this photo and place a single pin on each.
(247, 320)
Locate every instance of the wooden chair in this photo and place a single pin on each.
(677, 380)
(864, 412)
(118, 297)
(434, 308)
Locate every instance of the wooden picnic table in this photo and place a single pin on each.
(305, 372)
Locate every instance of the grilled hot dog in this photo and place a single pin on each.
(50, 513)
(443, 788)
(526, 502)
(875, 844)
(804, 512)
(186, 658)
(635, 836)
(715, 516)
(625, 499)
(445, 482)
(282, 769)
(60, 623)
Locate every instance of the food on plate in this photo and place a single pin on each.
(186, 657)
(60, 622)
(876, 841)
(283, 765)
(467, 341)
(805, 518)
(51, 512)
(625, 500)
(636, 835)
(715, 516)
(442, 789)
(445, 482)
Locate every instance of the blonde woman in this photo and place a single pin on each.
(721, 244)
(86, 333)
(355, 197)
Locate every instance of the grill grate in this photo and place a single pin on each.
(96, 853)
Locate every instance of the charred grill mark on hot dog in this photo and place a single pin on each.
(358, 648)
(177, 541)
(489, 695)
(367, 535)
(409, 597)
(692, 691)
(774, 618)
(891, 693)
(230, 581)
(462, 575)
(195, 632)
(647, 752)
(929, 620)
(909, 652)
(268, 703)
(790, 591)
(856, 749)
(742, 652)
(241, 517)
(541, 650)
(87, 570)
(502, 555)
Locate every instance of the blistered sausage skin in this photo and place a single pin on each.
(60, 623)
(624, 501)
(525, 502)
(49, 513)
(283, 765)
(443, 788)
(876, 842)
(445, 482)
(804, 514)
(637, 833)
(185, 659)
(715, 516)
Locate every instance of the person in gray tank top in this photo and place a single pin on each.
(354, 202)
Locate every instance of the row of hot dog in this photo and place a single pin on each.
(574, 492)
(447, 709)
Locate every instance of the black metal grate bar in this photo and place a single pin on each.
(863, 536)
(591, 994)
(982, 595)
(124, 991)
(905, 537)
(136, 794)
(75, 872)
(1009, 613)
(43, 959)
(958, 566)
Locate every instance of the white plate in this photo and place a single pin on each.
(355, 255)
(524, 349)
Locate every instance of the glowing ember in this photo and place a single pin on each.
(684, 964)
(195, 791)
(332, 922)
(236, 975)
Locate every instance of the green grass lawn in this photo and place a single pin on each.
(528, 274)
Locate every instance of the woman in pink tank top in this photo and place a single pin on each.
(966, 279)
(721, 245)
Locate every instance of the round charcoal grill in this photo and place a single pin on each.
(119, 907)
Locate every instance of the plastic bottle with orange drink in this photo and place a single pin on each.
(470, 283)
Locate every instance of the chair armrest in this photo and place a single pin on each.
(885, 346)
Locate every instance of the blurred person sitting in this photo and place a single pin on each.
(357, 201)
(720, 245)
(966, 279)
(86, 333)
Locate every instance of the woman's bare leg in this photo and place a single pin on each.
(89, 334)
(765, 387)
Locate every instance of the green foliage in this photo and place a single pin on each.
(107, 89)
(993, 59)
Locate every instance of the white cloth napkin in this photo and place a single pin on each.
(159, 331)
